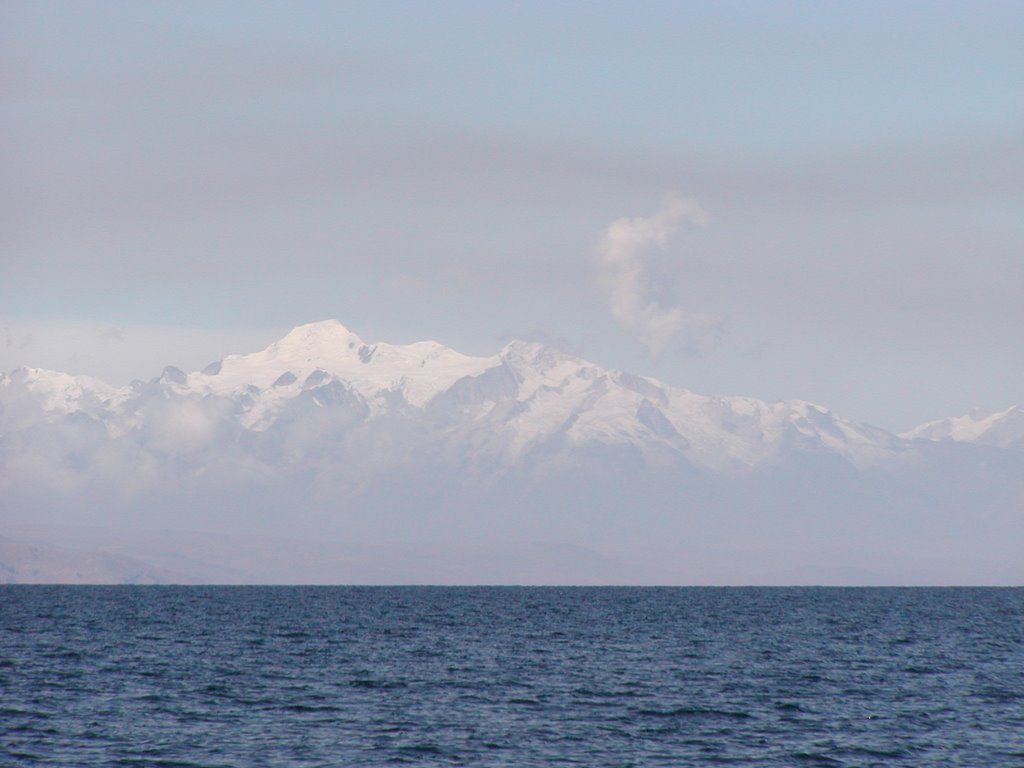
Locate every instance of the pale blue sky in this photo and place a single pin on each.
(447, 170)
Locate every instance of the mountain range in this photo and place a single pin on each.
(390, 454)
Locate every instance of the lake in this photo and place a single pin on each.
(508, 676)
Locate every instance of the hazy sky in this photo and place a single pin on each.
(786, 200)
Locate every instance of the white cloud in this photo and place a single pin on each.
(635, 299)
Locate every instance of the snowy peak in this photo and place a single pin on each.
(301, 351)
(325, 339)
(538, 366)
(1001, 429)
(531, 354)
(318, 353)
(60, 392)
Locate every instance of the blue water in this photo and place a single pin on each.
(339, 676)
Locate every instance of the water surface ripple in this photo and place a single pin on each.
(364, 676)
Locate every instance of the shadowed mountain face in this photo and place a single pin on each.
(326, 437)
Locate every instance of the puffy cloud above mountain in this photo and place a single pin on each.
(637, 299)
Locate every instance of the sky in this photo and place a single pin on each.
(807, 200)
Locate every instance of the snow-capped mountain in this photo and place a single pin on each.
(1002, 429)
(326, 435)
(526, 396)
(316, 354)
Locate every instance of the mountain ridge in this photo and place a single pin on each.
(324, 436)
(553, 391)
(1001, 428)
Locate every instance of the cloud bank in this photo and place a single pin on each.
(636, 298)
